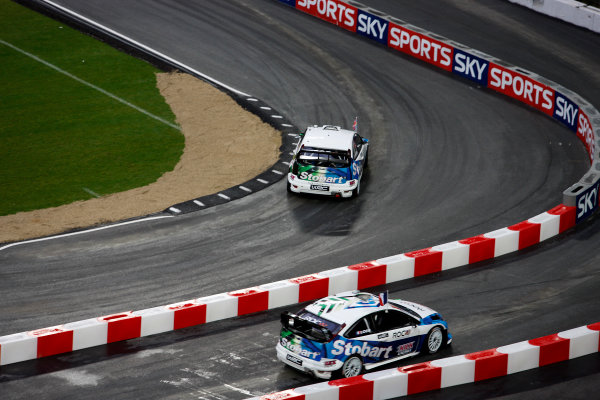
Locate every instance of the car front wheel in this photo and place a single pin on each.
(353, 366)
(434, 340)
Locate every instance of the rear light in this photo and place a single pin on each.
(293, 177)
(352, 182)
(329, 363)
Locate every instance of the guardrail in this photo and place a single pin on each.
(453, 371)
(574, 12)
(581, 200)
(548, 97)
(128, 325)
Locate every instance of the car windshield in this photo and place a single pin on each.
(324, 158)
(311, 326)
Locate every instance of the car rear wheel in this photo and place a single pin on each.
(353, 366)
(356, 192)
(434, 340)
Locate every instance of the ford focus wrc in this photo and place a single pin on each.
(343, 335)
(328, 160)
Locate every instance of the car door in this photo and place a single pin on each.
(362, 339)
(398, 329)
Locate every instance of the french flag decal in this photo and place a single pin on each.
(383, 298)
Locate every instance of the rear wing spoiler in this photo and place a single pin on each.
(305, 328)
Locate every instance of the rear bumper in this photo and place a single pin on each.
(334, 189)
(308, 366)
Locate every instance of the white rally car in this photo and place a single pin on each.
(343, 335)
(328, 160)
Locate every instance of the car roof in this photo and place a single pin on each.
(328, 137)
(345, 308)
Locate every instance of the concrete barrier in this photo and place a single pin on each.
(453, 371)
(580, 202)
(574, 12)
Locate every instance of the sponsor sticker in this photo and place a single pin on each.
(321, 177)
(293, 359)
(420, 46)
(297, 346)
(320, 188)
(522, 88)
(371, 351)
(342, 347)
(401, 334)
(405, 348)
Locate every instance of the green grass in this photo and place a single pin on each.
(58, 136)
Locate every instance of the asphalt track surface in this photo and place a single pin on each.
(448, 161)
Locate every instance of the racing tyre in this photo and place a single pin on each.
(353, 366)
(289, 187)
(356, 192)
(434, 341)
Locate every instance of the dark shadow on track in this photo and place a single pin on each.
(328, 216)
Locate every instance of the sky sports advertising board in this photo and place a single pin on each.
(517, 85)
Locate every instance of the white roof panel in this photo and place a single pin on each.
(328, 137)
(347, 307)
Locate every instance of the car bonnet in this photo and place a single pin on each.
(419, 309)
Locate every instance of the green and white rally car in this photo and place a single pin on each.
(328, 160)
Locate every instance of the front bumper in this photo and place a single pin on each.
(308, 366)
(298, 185)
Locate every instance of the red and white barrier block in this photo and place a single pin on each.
(129, 325)
(111, 328)
(453, 371)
